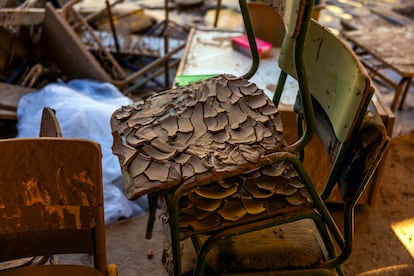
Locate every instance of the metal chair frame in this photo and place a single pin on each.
(306, 55)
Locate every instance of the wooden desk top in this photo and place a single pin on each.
(391, 45)
(209, 51)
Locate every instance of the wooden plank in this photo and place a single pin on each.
(10, 95)
(21, 17)
(67, 50)
(392, 16)
(8, 115)
(9, 99)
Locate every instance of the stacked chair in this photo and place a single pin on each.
(213, 153)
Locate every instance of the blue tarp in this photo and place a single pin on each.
(83, 109)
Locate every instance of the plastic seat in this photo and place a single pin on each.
(52, 203)
(213, 152)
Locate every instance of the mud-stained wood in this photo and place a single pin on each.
(51, 197)
(43, 188)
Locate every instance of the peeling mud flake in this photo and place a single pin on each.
(232, 210)
(139, 165)
(158, 171)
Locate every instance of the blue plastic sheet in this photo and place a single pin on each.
(83, 109)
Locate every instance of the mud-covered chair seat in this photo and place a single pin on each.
(199, 133)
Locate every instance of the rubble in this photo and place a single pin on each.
(118, 43)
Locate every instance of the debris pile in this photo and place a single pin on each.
(43, 42)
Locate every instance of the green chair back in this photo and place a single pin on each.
(339, 87)
(334, 79)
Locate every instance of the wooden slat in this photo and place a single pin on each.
(10, 95)
(21, 17)
(67, 50)
(9, 99)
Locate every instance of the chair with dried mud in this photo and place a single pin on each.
(51, 204)
(213, 152)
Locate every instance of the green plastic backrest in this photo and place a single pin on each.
(292, 12)
(335, 76)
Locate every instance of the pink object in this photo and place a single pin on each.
(241, 44)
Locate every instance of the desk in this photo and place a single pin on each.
(387, 48)
(209, 51)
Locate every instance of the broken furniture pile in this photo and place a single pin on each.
(123, 46)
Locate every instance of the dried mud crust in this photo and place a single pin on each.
(194, 133)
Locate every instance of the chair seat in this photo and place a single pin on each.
(275, 248)
(195, 134)
(52, 270)
(269, 192)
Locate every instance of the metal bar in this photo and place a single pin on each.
(112, 25)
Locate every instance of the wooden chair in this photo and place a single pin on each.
(213, 152)
(52, 202)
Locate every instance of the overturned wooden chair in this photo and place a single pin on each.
(51, 202)
(213, 152)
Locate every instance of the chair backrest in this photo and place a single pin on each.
(338, 87)
(51, 198)
(335, 77)
(49, 125)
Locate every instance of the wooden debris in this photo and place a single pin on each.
(9, 99)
